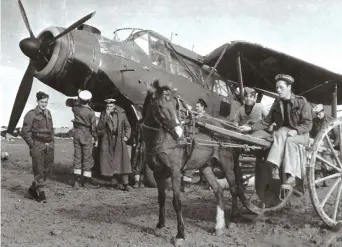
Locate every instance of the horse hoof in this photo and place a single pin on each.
(178, 242)
(219, 232)
(158, 232)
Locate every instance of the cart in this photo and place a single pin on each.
(321, 170)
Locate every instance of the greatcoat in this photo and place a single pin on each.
(113, 153)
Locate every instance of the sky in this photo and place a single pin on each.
(307, 29)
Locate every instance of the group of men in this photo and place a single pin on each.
(110, 135)
(289, 122)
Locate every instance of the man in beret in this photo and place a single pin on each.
(85, 135)
(293, 118)
(114, 131)
(37, 131)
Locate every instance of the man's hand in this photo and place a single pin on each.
(245, 128)
(125, 139)
(96, 143)
(292, 133)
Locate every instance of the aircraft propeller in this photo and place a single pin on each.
(35, 49)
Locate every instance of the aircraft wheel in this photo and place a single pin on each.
(326, 188)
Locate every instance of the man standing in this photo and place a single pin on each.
(114, 130)
(84, 136)
(37, 131)
(293, 118)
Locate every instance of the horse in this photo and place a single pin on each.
(166, 155)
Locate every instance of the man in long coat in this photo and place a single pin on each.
(113, 132)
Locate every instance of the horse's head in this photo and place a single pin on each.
(160, 109)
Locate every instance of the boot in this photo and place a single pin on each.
(41, 197)
(126, 188)
(33, 193)
(76, 183)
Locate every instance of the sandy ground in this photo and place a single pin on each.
(104, 217)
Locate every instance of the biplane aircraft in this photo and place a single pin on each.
(79, 57)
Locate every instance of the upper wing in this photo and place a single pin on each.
(260, 65)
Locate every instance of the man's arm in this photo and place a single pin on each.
(93, 125)
(26, 131)
(305, 124)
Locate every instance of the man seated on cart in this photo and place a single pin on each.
(200, 107)
(317, 124)
(319, 121)
(293, 118)
(251, 112)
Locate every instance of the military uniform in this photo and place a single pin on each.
(292, 114)
(84, 132)
(37, 131)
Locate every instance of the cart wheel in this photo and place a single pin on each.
(263, 194)
(326, 199)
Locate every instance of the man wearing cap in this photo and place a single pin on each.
(293, 118)
(37, 131)
(114, 130)
(85, 135)
(318, 122)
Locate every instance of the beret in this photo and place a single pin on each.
(85, 95)
(110, 101)
(41, 95)
(283, 77)
(318, 108)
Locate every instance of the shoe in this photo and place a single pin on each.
(33, 193)
(76, 183)
(275, 173)
(126, 187)
(41, 197)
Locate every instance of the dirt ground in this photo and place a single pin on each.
(105, 217)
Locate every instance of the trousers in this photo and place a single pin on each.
(285, 151)
(83, 152)
(42, 160)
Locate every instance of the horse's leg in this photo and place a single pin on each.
(160, 176)
(176, 184)
(211, 179)
(231, 169)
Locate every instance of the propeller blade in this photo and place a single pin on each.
(22, 96)
(70, 28)
(23, 14)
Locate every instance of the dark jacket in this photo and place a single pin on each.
(113, 151)
(37, 126)
(84, 118)
(298, 110)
